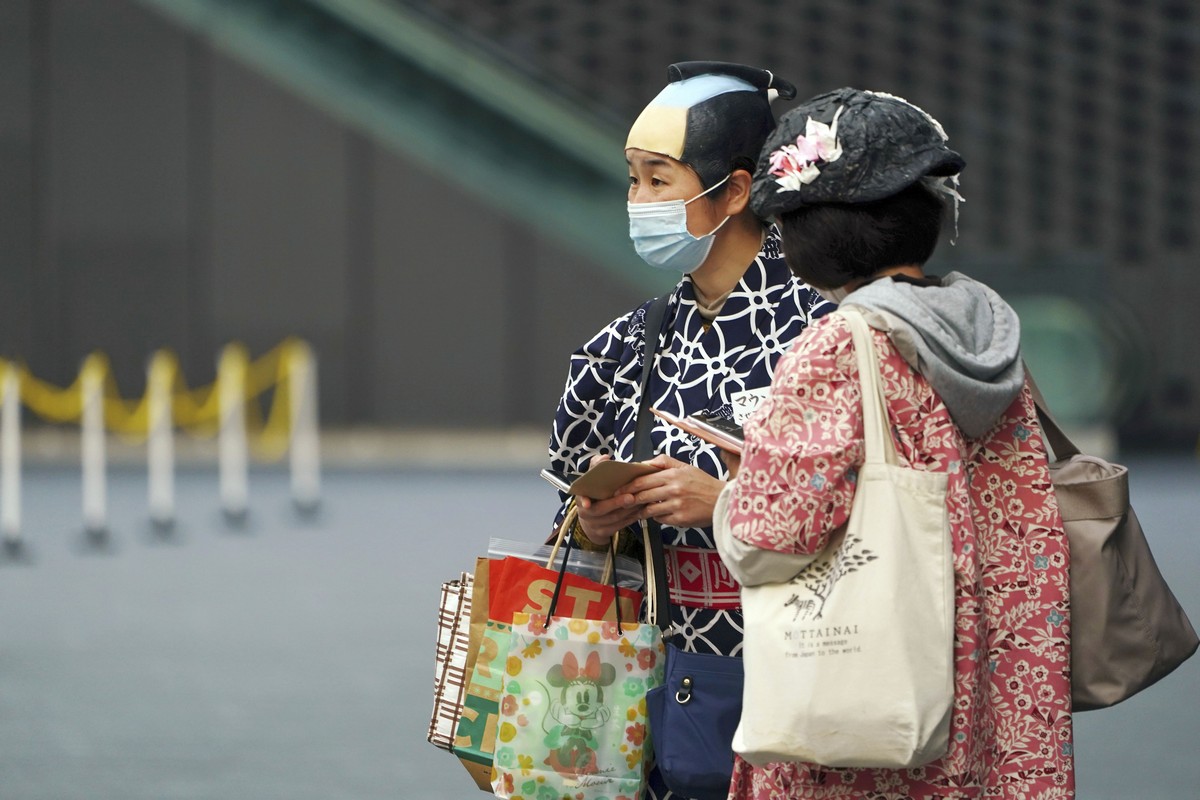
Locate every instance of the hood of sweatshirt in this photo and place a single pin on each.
(961, 336)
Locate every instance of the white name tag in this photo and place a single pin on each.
(745, 402)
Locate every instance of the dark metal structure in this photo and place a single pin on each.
(431, 192)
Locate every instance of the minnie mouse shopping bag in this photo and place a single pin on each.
(573, 709)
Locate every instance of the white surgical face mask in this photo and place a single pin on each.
(832, 295)
(661, 237)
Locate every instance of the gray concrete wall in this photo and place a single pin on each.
(154, 193)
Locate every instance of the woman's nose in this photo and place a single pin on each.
(640, 194)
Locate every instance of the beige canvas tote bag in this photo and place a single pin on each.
(851, 662)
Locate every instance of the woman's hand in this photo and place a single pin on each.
(678, 494)
(601, 519)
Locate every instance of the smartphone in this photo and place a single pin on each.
(724, 433)
(559, 480)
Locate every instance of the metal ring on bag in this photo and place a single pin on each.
(684, 695)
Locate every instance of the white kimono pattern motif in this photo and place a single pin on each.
(698, 368)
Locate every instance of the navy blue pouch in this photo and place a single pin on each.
(692, 717)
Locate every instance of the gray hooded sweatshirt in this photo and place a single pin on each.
(961, 336)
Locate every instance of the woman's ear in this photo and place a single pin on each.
(737, 195)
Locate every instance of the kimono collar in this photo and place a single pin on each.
(766, 272)
(709, 309)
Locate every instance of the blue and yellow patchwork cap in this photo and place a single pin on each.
(712, 116)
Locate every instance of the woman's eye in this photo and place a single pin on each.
(656, 182)
(632, 181)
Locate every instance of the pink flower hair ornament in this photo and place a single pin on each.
(795, 165)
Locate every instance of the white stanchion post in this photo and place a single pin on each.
(95, 489)
(232, 448)
(10, 458)
(304, 451)
(160, 442)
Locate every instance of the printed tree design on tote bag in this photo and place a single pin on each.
(820, 577)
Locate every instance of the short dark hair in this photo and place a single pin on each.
(738, 163)
(719, 192)
(829, 245)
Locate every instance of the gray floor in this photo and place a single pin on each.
(293, 659)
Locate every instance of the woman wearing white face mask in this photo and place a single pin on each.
(691, 156)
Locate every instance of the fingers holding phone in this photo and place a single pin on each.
(602, 517)
(677, 494)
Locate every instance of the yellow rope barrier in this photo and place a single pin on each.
(196, 411)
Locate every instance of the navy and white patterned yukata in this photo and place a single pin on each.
(701, 366)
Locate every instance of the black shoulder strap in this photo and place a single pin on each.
(643, 449)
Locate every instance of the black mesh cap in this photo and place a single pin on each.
(848, 146)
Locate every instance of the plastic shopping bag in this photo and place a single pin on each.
(573, 709)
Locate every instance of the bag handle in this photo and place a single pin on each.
(658, 599)
(609, 570)
(658, 605)
(1060, 444)
(568, 520)
(877, 435)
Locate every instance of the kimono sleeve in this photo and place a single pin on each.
(585, 421)
(585, 418)
(803, 447)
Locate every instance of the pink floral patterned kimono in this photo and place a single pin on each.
(1011, 730)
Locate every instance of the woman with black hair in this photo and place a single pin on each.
(736, 310)
(858, 182)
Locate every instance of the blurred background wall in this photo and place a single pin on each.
(431, 193)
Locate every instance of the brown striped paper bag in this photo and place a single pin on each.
(450, 667)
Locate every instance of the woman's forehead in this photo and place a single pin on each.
(637, 157)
